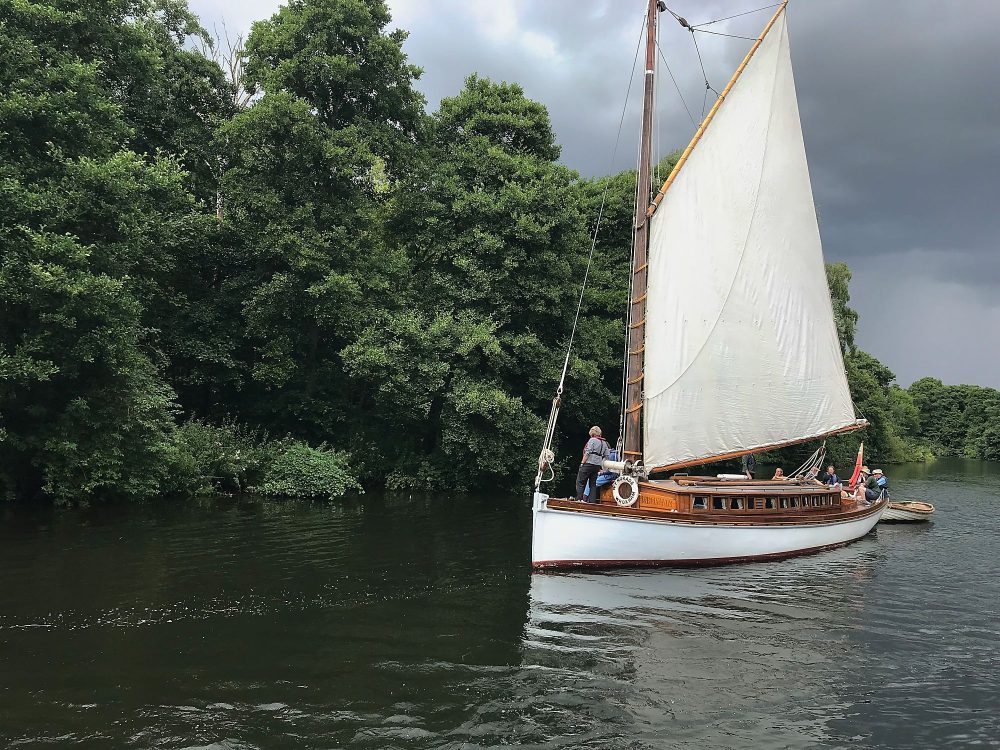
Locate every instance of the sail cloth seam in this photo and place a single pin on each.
(739, 265)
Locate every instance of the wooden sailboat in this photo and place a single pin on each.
(732, 347)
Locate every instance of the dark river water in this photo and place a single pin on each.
(416, 623)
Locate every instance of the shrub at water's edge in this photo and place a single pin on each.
(235, 459)
(295, 469)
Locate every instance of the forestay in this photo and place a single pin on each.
(741, 345)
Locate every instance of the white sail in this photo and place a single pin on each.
(741, 344)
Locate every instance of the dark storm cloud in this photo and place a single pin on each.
(901, 123)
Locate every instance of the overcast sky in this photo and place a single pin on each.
(900, 115)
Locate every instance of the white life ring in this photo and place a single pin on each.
(631, 491)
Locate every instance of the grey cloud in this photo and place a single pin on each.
(900, 118)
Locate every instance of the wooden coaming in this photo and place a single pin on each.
(693, 502)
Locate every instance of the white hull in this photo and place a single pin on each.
(566, 539)
(896, 513)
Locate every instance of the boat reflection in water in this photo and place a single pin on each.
(761, 655)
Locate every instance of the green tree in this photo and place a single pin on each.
(305, 183)
(89, 232)
(337, 55)
(958, 420)
(494, 243)
(838, 278)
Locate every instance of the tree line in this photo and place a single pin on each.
(276, 271)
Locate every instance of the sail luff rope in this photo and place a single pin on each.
(544, 456)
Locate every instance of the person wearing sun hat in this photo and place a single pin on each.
(875, 485)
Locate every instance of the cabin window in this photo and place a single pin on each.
(700, 503)
(718, 503)
(794, 502)
(784, 502)
(769, 503)
(735, 504)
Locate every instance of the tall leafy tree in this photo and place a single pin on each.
(306, 176)
(87, 233)
(338, 56)
(494, 245)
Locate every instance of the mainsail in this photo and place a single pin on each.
(741, 348)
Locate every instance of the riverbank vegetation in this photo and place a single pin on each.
(214, 267)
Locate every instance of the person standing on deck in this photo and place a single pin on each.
(594, 453)
(749, 465)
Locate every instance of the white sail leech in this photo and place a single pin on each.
(741, 344)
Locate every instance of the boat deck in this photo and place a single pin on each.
(711, 501)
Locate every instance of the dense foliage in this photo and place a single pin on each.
(311, 280)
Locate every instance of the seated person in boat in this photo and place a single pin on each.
(779, 473)
(594, 453)
(857, 491)
(876, 485)
(829, 476)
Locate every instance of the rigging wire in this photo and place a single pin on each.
(657, 118)
(678, 88)
(731, 36)
(546, 457)
(697, 28)
(728, 18)
(708, 86)
(600, 216)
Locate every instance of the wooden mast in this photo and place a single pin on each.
(637, 298)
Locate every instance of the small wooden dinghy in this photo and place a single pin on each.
(908, 512)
